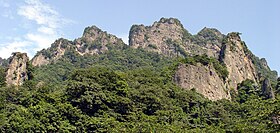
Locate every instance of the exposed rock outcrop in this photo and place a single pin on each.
(53, 53)
(93, 41)
(211, 40)
(267, 90)
(276, 118)
(264, 63)
(203, 78)
(40, 60)
(161, 37)
(170, 38)
(17, 70)
(239, 64)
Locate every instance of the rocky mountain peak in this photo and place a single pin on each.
(17, 70)
(264, 63)
(170, 21)
(91, 30)
(234, 36)
(93, 41)
(210, 34)
(55, 52)
(92, 33)
(160, 37)
(234, 54)
(169, 38)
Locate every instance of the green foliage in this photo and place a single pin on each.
(98, 89)
(246, 90)
(263, 71)
(2, 77)
(277, 87)
(177, 47)
(220, 68)
(128, 90)
(208, 35)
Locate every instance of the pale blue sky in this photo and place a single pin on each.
(30, 25)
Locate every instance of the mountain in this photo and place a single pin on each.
(164, 80)
(93, 42)
(169, 38)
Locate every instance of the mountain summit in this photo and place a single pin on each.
(164, 80)
(228, 60)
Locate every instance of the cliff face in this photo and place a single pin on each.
(234, 54)
(160, 37)
(55, 52)
(267, 90)
(94, 41)
(169, 38)
(203, 78)
(17, 70)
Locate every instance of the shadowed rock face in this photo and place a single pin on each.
(238, 62)
(276, 119)
(17, 70)
(267, 90)
(203, 78)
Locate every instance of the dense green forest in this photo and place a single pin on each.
(128, 90)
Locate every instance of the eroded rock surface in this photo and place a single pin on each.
(203, 78)
(17, 70)
(237, 61)
(162, 37)
(94, 41)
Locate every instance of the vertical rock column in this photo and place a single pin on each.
(235, 55)
(17, 70)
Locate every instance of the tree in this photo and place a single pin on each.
(98, 89)
(2, 77)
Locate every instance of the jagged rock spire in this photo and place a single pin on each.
(267, 90)
(17, 70)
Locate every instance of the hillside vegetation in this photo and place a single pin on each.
(106, 86)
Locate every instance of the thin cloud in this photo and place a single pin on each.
(41, 13)
(48, 28)
(42, 39)
(6, 5)
(15, 46)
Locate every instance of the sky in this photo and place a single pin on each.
(31, 25)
